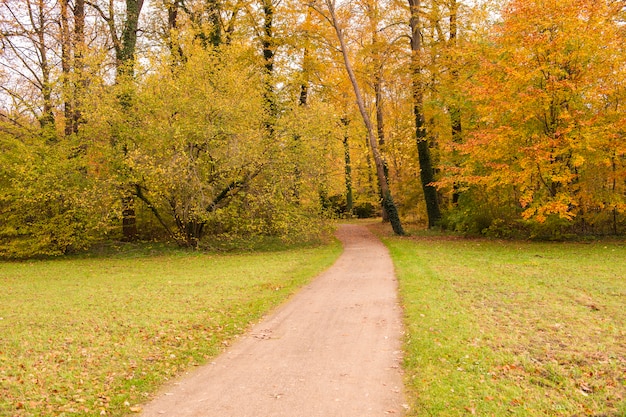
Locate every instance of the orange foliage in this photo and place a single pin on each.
(548, 122)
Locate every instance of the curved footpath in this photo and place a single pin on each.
(333, 350)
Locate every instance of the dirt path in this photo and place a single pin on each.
(332, 351)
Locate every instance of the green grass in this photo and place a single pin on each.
(97, 336)
(509, 328)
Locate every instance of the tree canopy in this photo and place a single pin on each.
(189, 120)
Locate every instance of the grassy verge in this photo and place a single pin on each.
(509, 328)
(85, 337)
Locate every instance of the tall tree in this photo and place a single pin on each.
(268, 42)
(125, 45)
(124, 39)
(66, 50)
(387, 199)
(29, 40)
(345, 121)
(80, 79)
(454, 108)
(545, 95)
(74, 81)
(373, 14)
(427, 172)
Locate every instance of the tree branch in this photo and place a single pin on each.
(139, 194)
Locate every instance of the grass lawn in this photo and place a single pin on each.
(96, 336)
(513, 328)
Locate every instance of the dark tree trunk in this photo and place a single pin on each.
(371, 181)
(176, 51)
(215, 9)
(348, 167)
(66, 68)
(302, 102)
(211, 35)
(79, 47)
(304, 84)
(125, 48)
(455, 110)
(72, 64)
(129, 220)
(427, 173)
(39, 23)
(380, 129)
(427, 177)
(267, 42)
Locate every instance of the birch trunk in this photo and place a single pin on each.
(387, 200)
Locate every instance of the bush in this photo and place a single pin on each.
(48, 206)
(365, 210)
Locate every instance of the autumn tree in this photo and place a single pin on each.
(234, 117)
(49, 204)
(124, 44)
(387, 199)
(29, 40)
(73, 49)
(547, 136)
(315, 102)
(427, 172)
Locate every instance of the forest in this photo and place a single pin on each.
(190, 121)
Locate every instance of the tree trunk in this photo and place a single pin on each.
(373, 15)
(427, 173)
(380, 126)
(304, 85)
(215, 9)
(39, 24)
(348, 167)
(127, 45)
(455, 110)
(371, 181)
(302, 102)
(129, 219)
(125, 48)
(72, 63)
(387, 200)
(66, 66)
(267, 42)
(79, 48)
(176, 51)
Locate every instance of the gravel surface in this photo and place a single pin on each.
(333, 350)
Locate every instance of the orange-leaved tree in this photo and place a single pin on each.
(549, 123)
